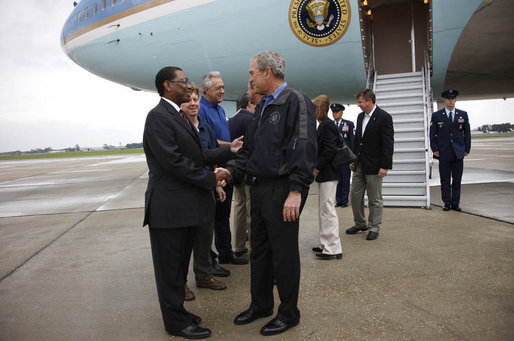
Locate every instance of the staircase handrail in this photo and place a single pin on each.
(427, 112)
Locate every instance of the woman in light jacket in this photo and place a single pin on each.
(327, 178)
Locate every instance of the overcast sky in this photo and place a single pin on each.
(49, 101)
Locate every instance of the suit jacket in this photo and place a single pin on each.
(448, 137)
(328, 141)
(180, 190)
(375, 148)
(346, 129)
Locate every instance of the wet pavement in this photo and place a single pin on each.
(75, 263)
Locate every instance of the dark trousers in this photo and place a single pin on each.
(343, 186)
(222, 234)
(171, 252)
(202, 262)
(451, 171)
(274, 250)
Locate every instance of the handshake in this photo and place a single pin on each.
(223, 176)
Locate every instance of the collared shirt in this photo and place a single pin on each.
(447, 111)
(270, 98)
(366, 119)
(214, 115)
(172, 104)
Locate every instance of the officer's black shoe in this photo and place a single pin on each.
(446, 207)
(456, 208)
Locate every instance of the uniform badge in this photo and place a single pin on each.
(319, 22)
(440, 124)
(274, 117)
(460, 120)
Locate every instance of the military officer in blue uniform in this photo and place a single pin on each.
(450, 140)
(346, 129)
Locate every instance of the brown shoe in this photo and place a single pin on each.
(212, 283)
(189, 294)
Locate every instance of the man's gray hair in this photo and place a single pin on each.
(206, 79)
(272, 59)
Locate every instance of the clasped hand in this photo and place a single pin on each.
(223, 176)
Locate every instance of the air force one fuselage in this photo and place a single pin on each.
(330, 46)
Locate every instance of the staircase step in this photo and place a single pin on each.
(380, 82)
(400, 96)
(399, 75)
(405, 111)
(408, 130)
(398, 88)
(407, 120)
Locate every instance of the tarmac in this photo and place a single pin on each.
(75, 262)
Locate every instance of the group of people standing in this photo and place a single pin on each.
(267, 155)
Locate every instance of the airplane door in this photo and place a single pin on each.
(400, 36)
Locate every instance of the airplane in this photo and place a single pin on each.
(407, 51)
(468, 43)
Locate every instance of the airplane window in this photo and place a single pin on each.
(95, 8)
(79, 17)
(86, 12)
(113, 3)
(104, 4)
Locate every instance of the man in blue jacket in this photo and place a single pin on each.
(450, 140)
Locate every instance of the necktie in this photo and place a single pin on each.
(185, 118)
(451, 116)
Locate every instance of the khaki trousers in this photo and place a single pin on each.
(373, 185)
(242, 217)
(328, 221)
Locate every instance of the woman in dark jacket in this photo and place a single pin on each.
(327, 178)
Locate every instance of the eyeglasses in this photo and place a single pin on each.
(182, 81)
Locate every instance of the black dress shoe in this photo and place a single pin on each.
(355, 229)
(372, 235)
(339, 204)
(276, 326)
(219, 271)
(249, 316)
(446, 208)
(327, 256)
(456, 208)
(232, 259)
(317, 249)
(344, 205)
(193, 331)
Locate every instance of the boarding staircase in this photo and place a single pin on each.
(406, 97)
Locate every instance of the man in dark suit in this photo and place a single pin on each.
(450, 140)
(374, 146)
(345, 128)
(179, 197)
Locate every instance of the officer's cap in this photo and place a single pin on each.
(450, 93)
(336, 107)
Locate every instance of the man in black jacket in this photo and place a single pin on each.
(179, 197)
(279, 152)
(374, 145)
